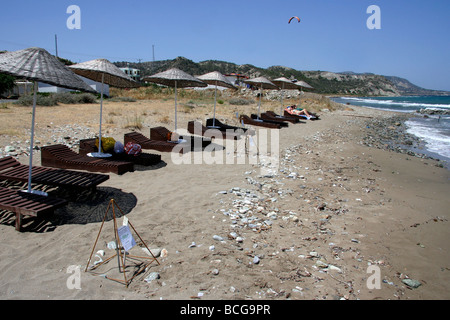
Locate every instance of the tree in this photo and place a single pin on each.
(6, 83)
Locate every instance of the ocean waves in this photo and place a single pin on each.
(397, 103)
(433, 130)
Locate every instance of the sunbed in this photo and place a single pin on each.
(146, 143)
(216, 124)
(23, 203)
(270, 115)
(161, 134)
(196, 127)
(301, 116)
(61, 156)
(281, 123)
(11, 169)
(146, 159)
(247, 120)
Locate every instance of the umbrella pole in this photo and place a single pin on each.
(281, 107)
(300, 98)
(32, 136)
(175, 105)
(215, 98)
(101, 111)
(259, 105)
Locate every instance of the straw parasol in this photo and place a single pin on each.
(263, 83)
(175, 78)
(101, 70)
(217, 79)
(284, 83)
(36, 64)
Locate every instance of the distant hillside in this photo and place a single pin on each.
(344, 83)
(407, 88)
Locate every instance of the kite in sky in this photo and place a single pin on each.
(294, 18)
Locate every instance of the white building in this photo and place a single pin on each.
(97, 86)
(133, 73)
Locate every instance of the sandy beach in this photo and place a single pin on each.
(334, 219)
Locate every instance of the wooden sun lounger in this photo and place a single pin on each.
(281, 123)
(270, 115)
(61, 156)
(247, 120)
(13, 170)
(160, 134)
(287, 114)
(196, 127)
(146, 143)
(145, 159)
(222, 126)
(23, 203)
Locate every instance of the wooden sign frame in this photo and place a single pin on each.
(121, 254)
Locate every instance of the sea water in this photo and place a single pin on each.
(434, 130)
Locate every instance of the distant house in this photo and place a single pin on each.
(237, 79)
(20, 88)
(133, 73)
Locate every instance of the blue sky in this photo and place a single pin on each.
(413, 41)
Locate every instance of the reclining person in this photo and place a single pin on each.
(298, 111)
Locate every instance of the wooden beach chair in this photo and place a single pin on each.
(161, 134)
(247, 120)
(13, 170)
(270, 115)
(144, 159)
(61, 156)
(24, 203)
(196, 127)
(146, 143)
(299, 116)
(281, 123)
(222, 126)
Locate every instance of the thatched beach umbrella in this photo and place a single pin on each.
(217, 79)
(177, 79)
(263, 83)
(284, 83)
(36, 64)
(101, 70)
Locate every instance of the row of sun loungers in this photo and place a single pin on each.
(60, 164)
(272, 120)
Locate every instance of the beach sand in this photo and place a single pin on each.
(333, 216)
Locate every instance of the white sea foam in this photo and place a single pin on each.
(437, 138)
(397, 103)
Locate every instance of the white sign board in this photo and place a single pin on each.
(126, 238)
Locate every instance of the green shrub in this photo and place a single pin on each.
(52, 99)
(41, 100)
(66, 97)
(87, 98)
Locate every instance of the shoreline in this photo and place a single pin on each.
(308, 231)
(411, 143)
(391, 134)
